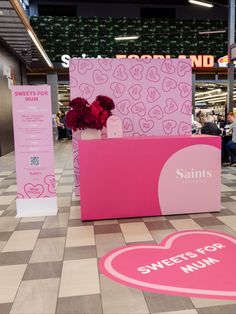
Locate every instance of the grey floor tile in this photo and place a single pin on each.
(36, 297)
(29, 225)
(52, 233)
(121, 299)
(78, 222)
(158, 303)
(129, 220)
(43, 270)
(90, 304)
(158, 225)
(113, 228)
(224, 309)
(104, 244)
(15, 258)
(4, 236)
(5, 308)
(208, 221)
(72, 253)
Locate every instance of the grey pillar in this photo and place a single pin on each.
(231, 30)
(52, 80)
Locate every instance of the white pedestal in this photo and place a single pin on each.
(33, 207)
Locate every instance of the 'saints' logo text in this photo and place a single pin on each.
(193, 175)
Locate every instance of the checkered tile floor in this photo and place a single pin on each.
(49, 264)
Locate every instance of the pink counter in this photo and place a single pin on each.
(149, 176)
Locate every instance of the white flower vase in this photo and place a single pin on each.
(90, 134)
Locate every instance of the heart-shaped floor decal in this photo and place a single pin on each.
(197, 263)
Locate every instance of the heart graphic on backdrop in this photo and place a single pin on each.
(51, 183)
(123, 106)
(145, 60)
(84, 66)
(156, 112)
(146, 125)
(33, 191)
(170, 106)
(76, 178)
(76, 161)
(168, 126)
(72, 66)
(99, 77)
(187, 107)
(127, 125)
(185, 128)
(118, 89)
(197, 263)
(105, 63)
(139, 109)
(120, 73)
(73, 81)
(183, 68)
(185, 89)
(135, 91)
(87, 90)
(152, 75)
(167, 67)
(168, 84)
(137, 72)
(153, 94)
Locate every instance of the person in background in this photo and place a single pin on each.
(210, 127)
(63, 121)
(60, 127)
(221, 122)
(231, 145)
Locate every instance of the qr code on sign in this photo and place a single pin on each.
(34, 161)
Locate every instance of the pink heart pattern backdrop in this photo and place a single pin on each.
(151, 96)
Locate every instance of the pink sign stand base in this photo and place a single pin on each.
(33, 207)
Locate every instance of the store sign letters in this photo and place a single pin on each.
(190, 263)
(197, 61)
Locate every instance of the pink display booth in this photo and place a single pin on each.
(149, 176)
(130, 177)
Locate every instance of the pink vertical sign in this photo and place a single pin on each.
(32, 117)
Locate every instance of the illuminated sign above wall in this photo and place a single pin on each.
(198, 61)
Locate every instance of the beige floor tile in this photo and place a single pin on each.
(105, 243)
(225, 188)
(79, 277)
(202, 215)
(201, 302)
(1, 211)
(229, 221)
(80, 236)
(36, 297)
(75, 212)
(229, 176)
(12, 188)
(10, 278)
(135, 232)
(67, 180)
(185, 224)
(59, 221)
(6, 200)
(48, 250)
(58, 171)
(23, 240)
(2, 244)
(233, 198)
(75, 197)
(32, 219)
(63, 201)
(65, 188)
(5, 173)
(117, 298)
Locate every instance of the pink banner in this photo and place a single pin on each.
(151, 96)
(32, 118)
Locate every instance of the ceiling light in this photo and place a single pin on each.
(126, 37)
(204, 4)
(40, 49)
(212, 32)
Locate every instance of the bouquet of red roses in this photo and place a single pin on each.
(83, 115)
